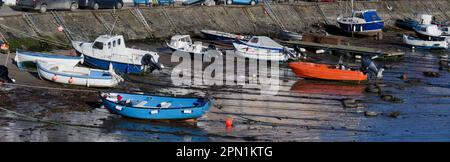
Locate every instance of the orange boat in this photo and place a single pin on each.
(326, 72)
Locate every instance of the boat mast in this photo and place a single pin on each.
(353, 16)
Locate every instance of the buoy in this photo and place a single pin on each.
(60, 28)
(119, 98)
(4, 46)
(54, 78)
(413, 48)
(228, 123)
(70, 80)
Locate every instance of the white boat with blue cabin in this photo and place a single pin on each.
(184, 43)
(263, 48)
(109, 49)
(75, 75)
(27, 57)
(361, 22)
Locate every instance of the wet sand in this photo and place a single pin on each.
(303, 110)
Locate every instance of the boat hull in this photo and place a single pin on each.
(363, 28)
(118, 66)
(324, 72)
(66, 78)
(182, 113)
(425, 44)
(23, 57)
(251, 52)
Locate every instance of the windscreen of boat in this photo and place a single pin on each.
(267, 42)
(371, 16)
(98, 45)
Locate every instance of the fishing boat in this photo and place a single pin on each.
(75, 75)
(427, 30)
(108, 49)
(263, 48)
(407, 23)
(326, 72)
(25, 57)
(361, 22)
(223, 37)
(432, 43)
(141, 106)
(184, 43)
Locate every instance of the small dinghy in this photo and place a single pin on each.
(223, 37)
(140, 106)
(325, 72)
(432, 43)
(407, 23)
(289, 35)
(263, 48)
(24, 57)
(78, 75)
(184, 43)
(108, 49)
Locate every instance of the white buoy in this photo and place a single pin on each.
(413, 48)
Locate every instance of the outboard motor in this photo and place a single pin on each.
(148, 60)
(211, 47)
(368, 66)
(4, 75)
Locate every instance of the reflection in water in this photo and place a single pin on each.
(327, 87)
(145, 130)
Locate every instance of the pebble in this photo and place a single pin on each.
(373, 89)
(394, 114)
(431, 74)
(404, 77)
(370, 113)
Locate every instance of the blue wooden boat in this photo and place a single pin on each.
(362, 22)
(140, 106)
(223, 37)
(24, 57)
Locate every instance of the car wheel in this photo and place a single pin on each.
(229, 2)
(95, 6)
(252, 3)
(74, 6)
(43, 8)
(119, 5)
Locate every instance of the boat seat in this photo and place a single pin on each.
(140, 104)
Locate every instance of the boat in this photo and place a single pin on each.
(427, 30)
(75, 75)
(289, 35)
(325, 72)
(140, 106)
(263, 48)
(108, 49)
(25, 57)
(327, 87)
(432, 43)
(223, 37)
(407, 23)
(361, 22)
(184, 43)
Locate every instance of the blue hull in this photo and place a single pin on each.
(221, 39)
(366, 28)
(118, 67)
(157, 113)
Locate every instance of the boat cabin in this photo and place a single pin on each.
(364, 16)
(180, 41)
(109, 43)
(263, 41)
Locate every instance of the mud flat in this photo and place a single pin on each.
(302, 110)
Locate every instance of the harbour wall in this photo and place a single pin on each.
(163, 22)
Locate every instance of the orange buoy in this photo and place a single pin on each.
(4, 46)
(228, 123)
(54, 78)
(70, 80)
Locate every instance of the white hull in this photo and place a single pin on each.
(425, 43)
(77, 75)
(64, 60)
(258, 53)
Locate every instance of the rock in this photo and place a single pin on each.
(349, 103)
(394, 114)
(387, 97)
(404, 77)
(431, 74)
(372, 89)
(443, 63)
(370, 113)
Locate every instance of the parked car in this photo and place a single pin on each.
(98, 4)
(243, 2)
(44, 5)
(166, 2)
(193, 2)
(139, 2)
